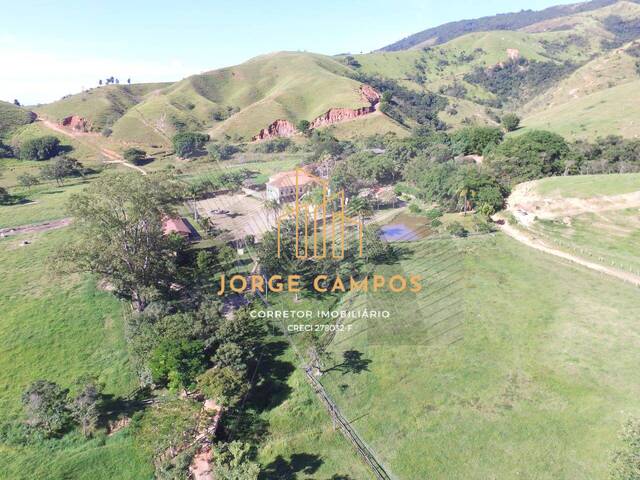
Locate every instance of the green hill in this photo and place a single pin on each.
(12, 117)
(101, 106)
(566, 68)
(504, 21)
(239, 101)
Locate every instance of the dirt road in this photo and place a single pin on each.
(540, 245)
(35, 227)
(84, 138)
(525, 205)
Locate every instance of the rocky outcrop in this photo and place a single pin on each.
(370, 94)
(284, 128)
(279, 128)
(77, 123)
(336, 115)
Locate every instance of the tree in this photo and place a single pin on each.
(5, 197)
(46, 406)
(534, 154)
(626, 460)
(510, 122)
(61, 168)
(225, 385)
(27, 180)
(229, 355)
(100, 82)
(5, 151)
(119, 219)
(135, 155)
(128, 81)
(474, 140)
(85, 406)
(177, 363)
(16, 102)
(304, 126)
(232, 461)
(40, 148)
(187, 144)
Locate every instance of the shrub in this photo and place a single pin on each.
(304, 126)
(187, 144)
(28, 180)
(510, 122)
(40, 148)
(413, 208)
(222, 151)
(5, 197)
(457, 229)
(135, 155)
(5, 151)
(106, 132)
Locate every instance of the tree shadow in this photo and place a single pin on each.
(352, 362)
(303, 463)
(112, 408)
(271, 387)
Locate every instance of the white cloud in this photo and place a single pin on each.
(38, 76)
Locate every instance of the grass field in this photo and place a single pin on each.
(586, 186)
(612, 237)
(46, 202)
(60, 328)
(510, 364)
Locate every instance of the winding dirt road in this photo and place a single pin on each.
(524, 204)
(82, 137)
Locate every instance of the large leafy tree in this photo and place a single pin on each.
(40, 148)
(119, 221)
(529, 156)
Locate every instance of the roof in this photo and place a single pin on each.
(288, 179)
(175, 225)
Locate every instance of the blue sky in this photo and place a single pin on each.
(53, 48)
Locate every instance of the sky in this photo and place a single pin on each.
(53, 48)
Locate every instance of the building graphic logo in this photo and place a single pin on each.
(318, 223)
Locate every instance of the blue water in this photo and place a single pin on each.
(398, 232)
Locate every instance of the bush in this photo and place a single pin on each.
(5, 151)
(510, 122)
(304, 126)
(434, 213)
(187, 144)
(5, 198)
(27, 180)
(106, 132)
(457, 229)
(222, 151)
(414, 208)
(135, 156)
(40, 148)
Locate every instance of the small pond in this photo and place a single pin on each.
(398, 232)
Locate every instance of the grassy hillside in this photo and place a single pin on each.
(505, 21)
(239, 101)
(12, 117)
(586, 186)
(101, 106)
(613, 111)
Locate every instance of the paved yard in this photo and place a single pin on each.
(238, 214)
